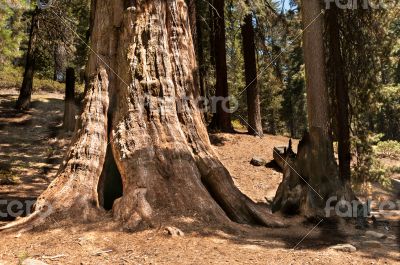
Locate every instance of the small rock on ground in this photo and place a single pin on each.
(173, 231)
(344, 248)
(375, 234)
(372, 243)
(258, 161)
(33, 262)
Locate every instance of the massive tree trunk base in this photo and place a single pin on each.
(162, 181)
(310, 178)
(142, 137)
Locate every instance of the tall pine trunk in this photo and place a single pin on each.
(311, 177)
(195, 25)
(341, 93)
(142, 116)
(250, 65)
(24, 99)
(222, 116)
(69, 102)
(200, 50)
(59, 61)
(397, 74)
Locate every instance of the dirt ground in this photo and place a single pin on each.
(31, 148)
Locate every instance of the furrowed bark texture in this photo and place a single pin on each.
(75, 188)
(153, 126)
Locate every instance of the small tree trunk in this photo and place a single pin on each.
(195, 26)
(59, 61)
(222, 116)
(397, 77)
(311, 177)
(341, 93)
(192, 11)
(69, 110)
(200, 51)
(250, 65)
(24, 99)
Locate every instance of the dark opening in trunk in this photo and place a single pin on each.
(110, 185)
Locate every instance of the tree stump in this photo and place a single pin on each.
(310, 178)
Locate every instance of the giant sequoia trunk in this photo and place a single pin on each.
(143, 115)
(250, 67)
(311, 177)
(24, 99)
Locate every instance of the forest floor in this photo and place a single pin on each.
(31, 148)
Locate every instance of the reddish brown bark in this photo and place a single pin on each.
(162, 152)
(250, 67)
(222, 116)
(341, 93)
(311, 177)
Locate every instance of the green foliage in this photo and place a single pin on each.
(65, 23)
(11, 30)
(238, 125)
(367, 166)
(370, 51)
(11, 77)
(8, 178)
(387, 118)
(280, 64)
(389, 149)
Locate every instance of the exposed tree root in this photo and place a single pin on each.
(24, 224)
